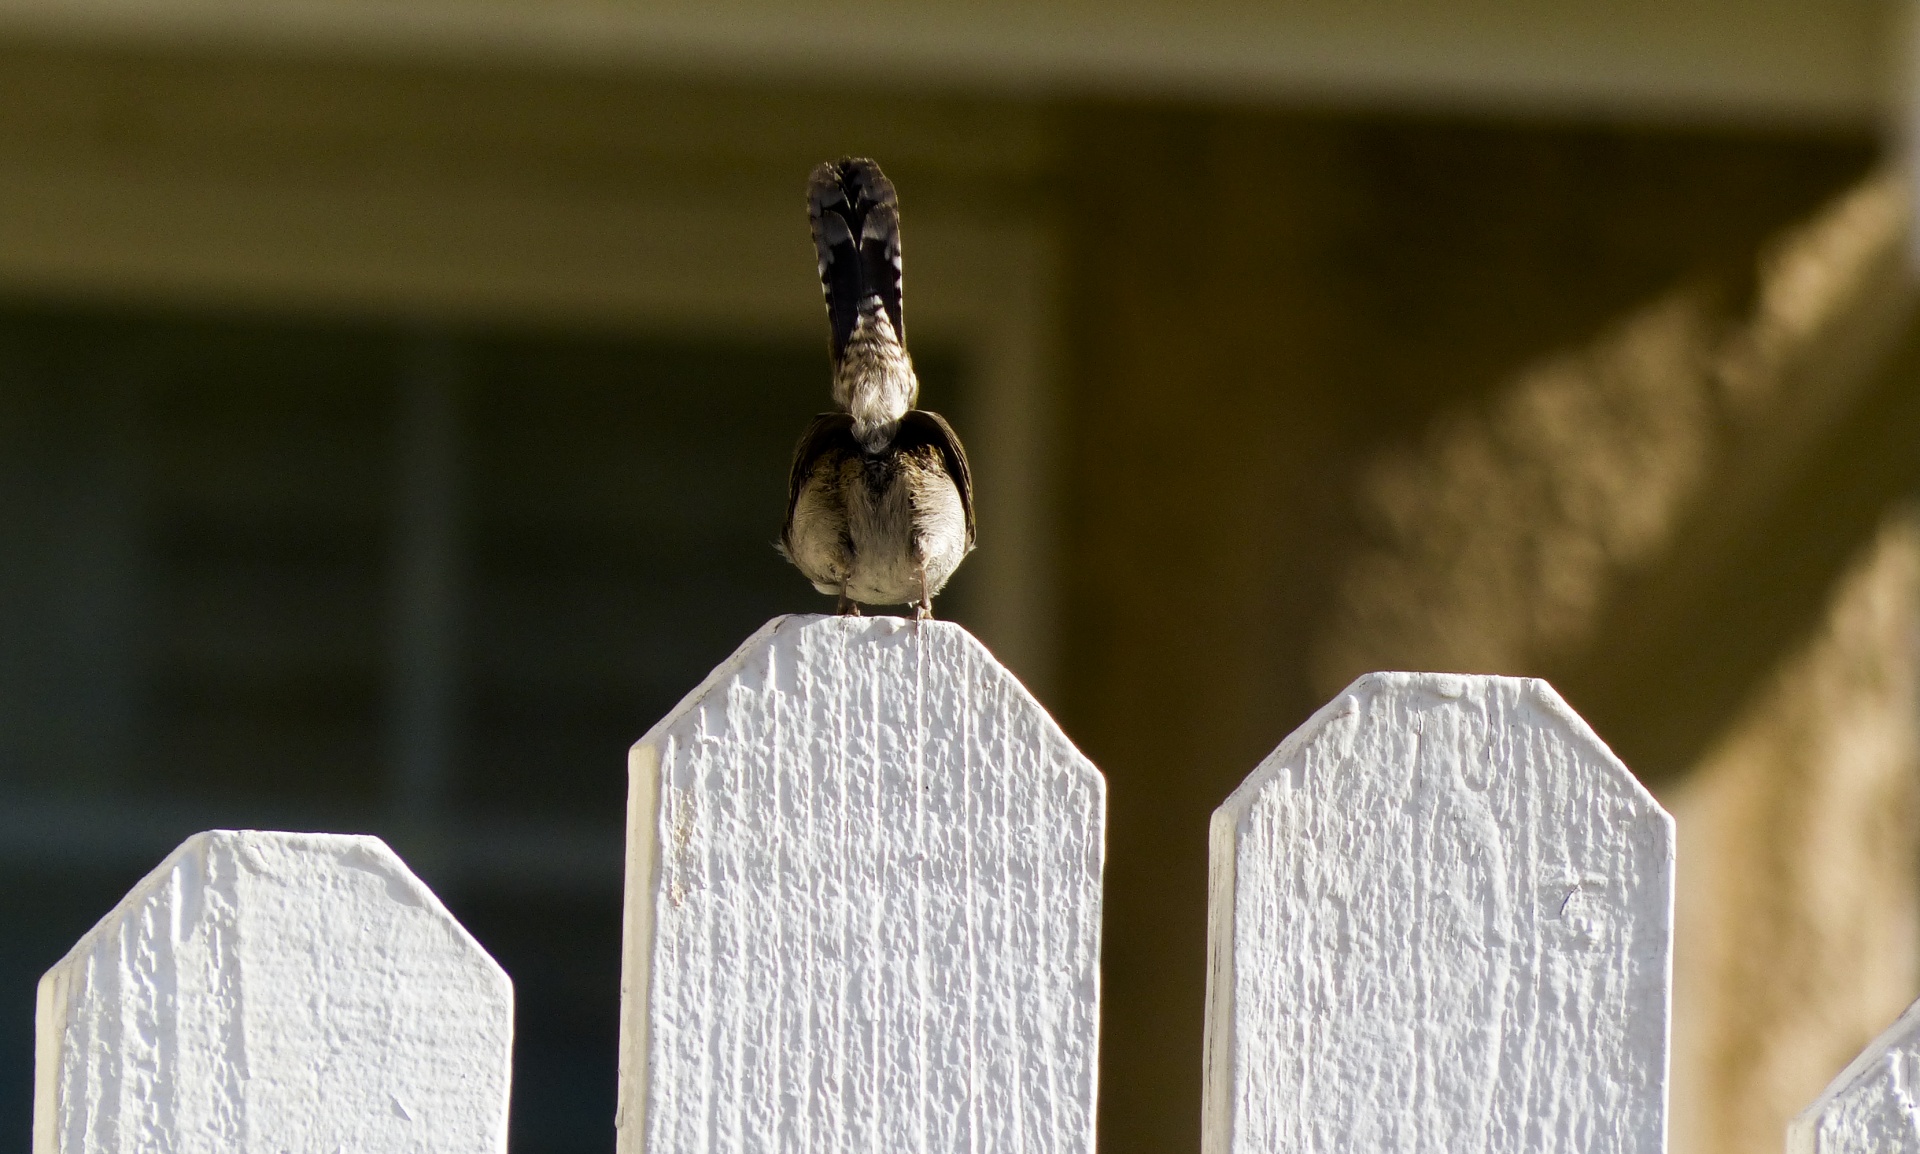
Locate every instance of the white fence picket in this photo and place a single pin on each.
(863, 904)
(1440, 919)
(269, 992)
(1873, 1107)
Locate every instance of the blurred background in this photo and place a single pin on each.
(395, 402)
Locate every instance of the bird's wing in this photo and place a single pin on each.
(827, 432)
(921, 427)
(855, 216)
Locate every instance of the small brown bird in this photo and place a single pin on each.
(880, 499)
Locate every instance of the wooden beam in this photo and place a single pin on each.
(275, 991)
(1441, 917)
(863, 904)
(1768, 59)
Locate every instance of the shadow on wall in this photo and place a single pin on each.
(1599, 494)
(1599, 506)
(1618, 409)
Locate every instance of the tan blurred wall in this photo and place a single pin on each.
(1799, 879)
(1352, 393)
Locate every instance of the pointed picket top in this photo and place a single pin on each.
(1441, 919)
(1873, 1107)
(863, 904)
(266, 992)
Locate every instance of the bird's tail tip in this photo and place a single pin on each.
(851, 180)
(855, 216)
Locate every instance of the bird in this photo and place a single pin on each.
(880, 495)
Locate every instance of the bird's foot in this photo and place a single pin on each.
(848, 606)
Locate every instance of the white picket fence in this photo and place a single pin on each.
(863, 913)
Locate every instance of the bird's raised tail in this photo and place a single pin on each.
(856, 231)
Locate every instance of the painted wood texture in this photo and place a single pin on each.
(1440, 920)
(273, 992)
(863, 904)
(1873, 1107)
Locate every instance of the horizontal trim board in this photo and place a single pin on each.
(1772, 59)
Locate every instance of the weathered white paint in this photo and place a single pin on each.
(1873, 1107)
(863, 904)
(1440, 920)
(270, 992)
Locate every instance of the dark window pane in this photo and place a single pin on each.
(268, 465)
(216, 601)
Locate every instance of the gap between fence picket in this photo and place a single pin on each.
(863, 910)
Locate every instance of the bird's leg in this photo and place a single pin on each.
(923, 609)
(848, 606)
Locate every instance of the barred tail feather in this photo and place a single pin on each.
(855, 216)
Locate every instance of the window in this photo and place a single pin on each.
(343, 576)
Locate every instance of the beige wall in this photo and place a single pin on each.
(1612, 406)
(1800, 866)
